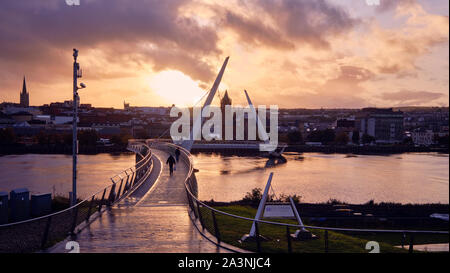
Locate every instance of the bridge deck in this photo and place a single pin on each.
(153, 219)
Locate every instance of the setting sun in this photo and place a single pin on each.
(176, 88)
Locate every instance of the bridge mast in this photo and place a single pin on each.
(261, 127)
(187, 144)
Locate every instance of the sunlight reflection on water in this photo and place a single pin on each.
(53, 173)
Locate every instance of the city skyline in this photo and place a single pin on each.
(340, 54)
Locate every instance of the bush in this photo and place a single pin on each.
(324, 136)
(342, 138)
(255, 197)
(7, 136)
(121, 139)
(88, 137)
(295, 137)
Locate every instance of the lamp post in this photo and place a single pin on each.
(76, 74)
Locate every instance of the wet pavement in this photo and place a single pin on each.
(153, 219)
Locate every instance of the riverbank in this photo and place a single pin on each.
(332, 149)
(369, 215)
(382, 216)
(60, 149)
(365, 150)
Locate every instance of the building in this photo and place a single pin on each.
(224, 101)
(24, 95)
(384, 124)
(345, 126)
(422, 137)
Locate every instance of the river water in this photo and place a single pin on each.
(403, 178)
(53, 173)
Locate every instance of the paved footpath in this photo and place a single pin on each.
(153, 219)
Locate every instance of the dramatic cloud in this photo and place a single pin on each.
(309, 21)
(408, 97)
(291, 22)
(309, 53)
(38, 33)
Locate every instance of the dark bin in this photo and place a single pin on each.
(20, 204)
(41, 204)
(3, 208)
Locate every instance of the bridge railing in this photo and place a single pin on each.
(42, 232)
(276, 236)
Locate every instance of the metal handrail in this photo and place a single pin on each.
(189, 156)
(143, 160)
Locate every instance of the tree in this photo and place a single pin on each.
(441, 140)
(355, 137)
(121, 139)
(324, 136)
(408, 141)
(367, 139)
(7, 136)
(295, 137)
(342, 138)
(88, 137)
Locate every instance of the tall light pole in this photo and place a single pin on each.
(76, 74)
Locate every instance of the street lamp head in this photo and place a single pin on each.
(82, 85)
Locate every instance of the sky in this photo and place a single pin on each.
(291, 53)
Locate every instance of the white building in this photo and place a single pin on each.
(423, 137)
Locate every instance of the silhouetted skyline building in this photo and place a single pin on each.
(384, 124)
(24, 95)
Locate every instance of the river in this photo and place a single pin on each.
(53, 173)
(402, 178)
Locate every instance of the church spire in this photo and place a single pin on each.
(24, 87)
(24, 96)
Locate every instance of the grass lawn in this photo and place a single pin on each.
(232, 229)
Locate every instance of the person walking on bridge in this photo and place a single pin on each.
(177, 154)
(171, 162)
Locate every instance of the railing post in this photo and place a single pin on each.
(126, 188)
(403, 240)
(326, 241)
(132, 179)
(120, 188)
(191, 203)
(200, 215)
(112, 194)
(74, 223)
(288, 235)
(101, 201)
(45, 235)
(216, 228)
(258, 243)
(90, 208)
(411, 243)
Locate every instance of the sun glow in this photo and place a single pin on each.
(176, 88)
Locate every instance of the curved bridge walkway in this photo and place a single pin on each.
(153, 219)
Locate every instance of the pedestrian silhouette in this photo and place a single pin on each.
(177, 154)
(171, 162)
